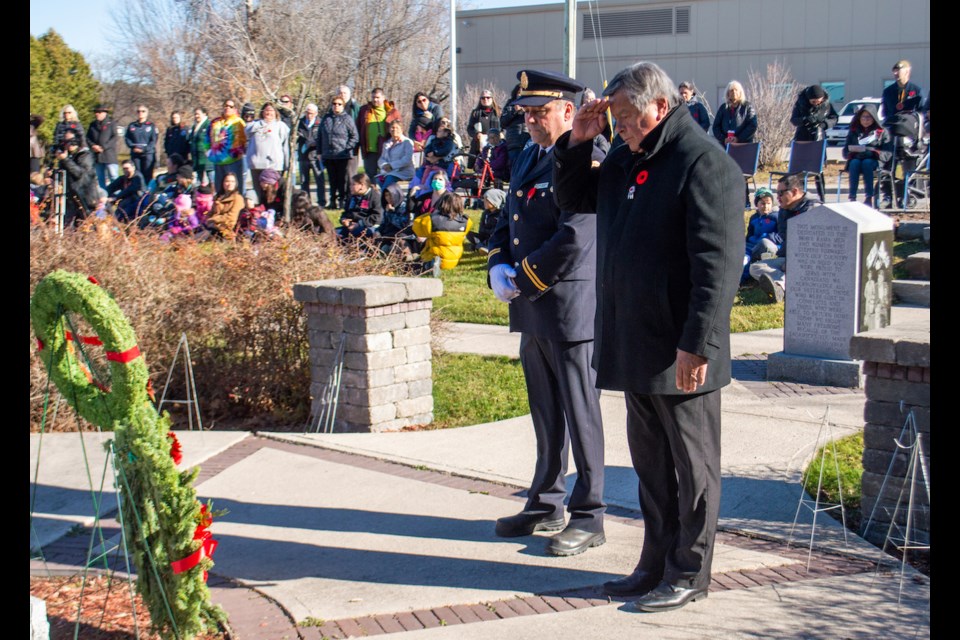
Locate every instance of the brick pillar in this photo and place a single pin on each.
(897, 370)
(384, 324)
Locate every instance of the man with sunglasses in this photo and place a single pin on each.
(141, 138)
(285, 109)
(794, 200)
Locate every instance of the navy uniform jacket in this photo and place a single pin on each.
(142, 135)
(552, 251)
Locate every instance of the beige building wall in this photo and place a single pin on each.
(854, 42)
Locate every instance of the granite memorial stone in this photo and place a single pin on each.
(839, 275)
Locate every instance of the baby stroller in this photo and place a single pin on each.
(910, 150)
(471, 186)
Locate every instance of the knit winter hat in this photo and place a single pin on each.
(762, 192)
(496, 197)
(270, 176)
(182, 201)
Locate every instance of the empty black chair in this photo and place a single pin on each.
(746, 155)
(806, 158)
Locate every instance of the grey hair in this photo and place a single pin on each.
(345, 90)
(643, 83)
(311, 107)
(735, 85)
(68, 107)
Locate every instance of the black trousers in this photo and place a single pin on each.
(145, 164)
(314, 165)
(339, 180)
(565, 407)
(675, 448)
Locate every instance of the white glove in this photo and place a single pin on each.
(501, 281)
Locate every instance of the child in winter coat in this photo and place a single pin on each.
(761, 231)
(493, 201)
(184, 222)
(442, 232)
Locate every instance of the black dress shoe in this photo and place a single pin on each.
(667, 597)
(525, 523)
(638, 583)
(571, 542)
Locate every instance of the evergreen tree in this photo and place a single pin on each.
(59, 76)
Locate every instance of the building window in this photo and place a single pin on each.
(836, 90)
(632, 24)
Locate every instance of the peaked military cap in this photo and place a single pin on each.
(537, 88)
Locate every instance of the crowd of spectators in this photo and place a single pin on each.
(403, 197)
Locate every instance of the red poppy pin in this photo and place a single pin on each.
(911, 94)
(530, 193)
(642, 177)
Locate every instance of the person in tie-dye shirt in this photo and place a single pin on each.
(227, 142)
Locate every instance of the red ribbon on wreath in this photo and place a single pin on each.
(91, 340)
(93, 280)
(176, 450)
(124, 356)
(207, 547)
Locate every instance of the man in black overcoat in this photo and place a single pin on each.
(670, 245)
(542, 261)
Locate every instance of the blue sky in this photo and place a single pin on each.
(85, 25)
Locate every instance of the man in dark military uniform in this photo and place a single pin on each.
(542, 261)
(141, 138)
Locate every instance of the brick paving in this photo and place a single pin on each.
(253, 616)
(750, 370)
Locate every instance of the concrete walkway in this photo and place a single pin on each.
(363, 534)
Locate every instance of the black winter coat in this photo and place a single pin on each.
(62, 127)
(82, 178)
(784, 216)
(308, 138)
(670, 251)
(103, 133)
(811, 121)
(700, 114)
(338, 136)
(367, 208)
(742, 121)
(514, 129)
(176, 139)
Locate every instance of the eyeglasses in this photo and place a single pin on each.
(338, 104)
(780, 192)
(229, 105)
(486, 97)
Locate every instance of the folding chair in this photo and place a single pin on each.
(806, 158)
(746, 155)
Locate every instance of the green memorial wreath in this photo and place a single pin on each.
(165, 526)
(62, 292)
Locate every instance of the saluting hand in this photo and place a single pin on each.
(590, 121)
